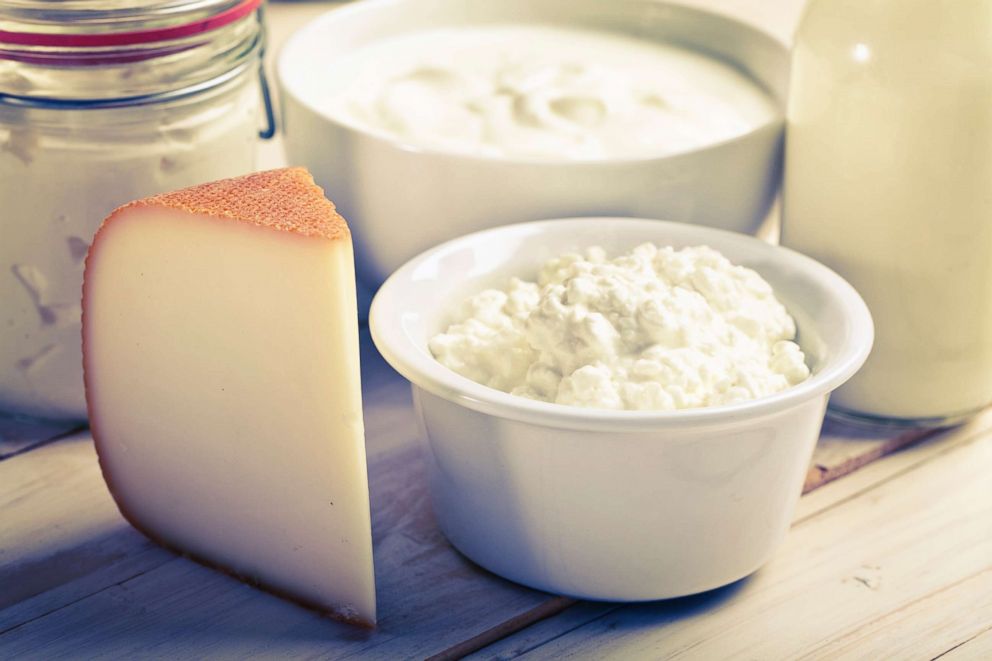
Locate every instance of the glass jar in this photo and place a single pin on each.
(888, 180)
(101, 104)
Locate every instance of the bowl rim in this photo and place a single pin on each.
(419, 367)
(288, 91)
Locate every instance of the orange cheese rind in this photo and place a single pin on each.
(286, 200)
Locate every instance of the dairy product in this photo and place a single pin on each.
(889, 182)
(544, 92)
(61, 172)
(221, 362)
(654, 329)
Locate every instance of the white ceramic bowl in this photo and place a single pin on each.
(614, 505)
(401, 199)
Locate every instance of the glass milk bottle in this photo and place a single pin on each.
(889, 181)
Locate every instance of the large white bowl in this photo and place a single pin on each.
(614, 505)
(401, 199)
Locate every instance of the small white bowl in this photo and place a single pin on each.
(400, 199)
(614, 505)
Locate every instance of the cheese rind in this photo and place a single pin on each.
(222, 380)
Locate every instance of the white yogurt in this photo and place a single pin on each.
(543, 92)
(655, 329)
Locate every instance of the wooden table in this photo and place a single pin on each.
(890, 555)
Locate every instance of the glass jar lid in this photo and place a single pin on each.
(95, 51)
(103, 16)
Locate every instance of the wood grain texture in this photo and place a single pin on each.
(925, 628)
(546, 609)
(978, 648)
(872, 474)
(541, 633)
(18, 436)
(59, 525)
(844, 448)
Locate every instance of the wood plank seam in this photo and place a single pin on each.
(963, 643)
(908, 469)
(563, 632)
(43, 442)
(550, 608)
(116, 584)
(819, 475)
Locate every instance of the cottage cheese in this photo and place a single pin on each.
(539, 91)
(654, 329)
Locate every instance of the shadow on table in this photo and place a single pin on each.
(656, 613)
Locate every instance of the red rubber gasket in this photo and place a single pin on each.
(97, 59)
(208, 24)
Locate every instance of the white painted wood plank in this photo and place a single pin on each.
(861, 561)
(978, 648)
(843, 449)
(533, 637)
(58, 525)
(549, 608)
(18, 435)
(835, 451)
(925, 628)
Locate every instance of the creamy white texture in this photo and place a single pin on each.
(654, 329)
(541, 91)
(56, 186)
(888, 181)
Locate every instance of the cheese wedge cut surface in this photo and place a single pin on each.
(220, 341)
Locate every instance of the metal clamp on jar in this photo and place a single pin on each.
(101, 104)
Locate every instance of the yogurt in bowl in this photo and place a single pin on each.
(532, 91)
(425, 123)
(625, 505)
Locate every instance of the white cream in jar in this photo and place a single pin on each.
(543, 92)
(55, 192)
(118, 118)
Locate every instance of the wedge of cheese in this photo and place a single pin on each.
(220, 342)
